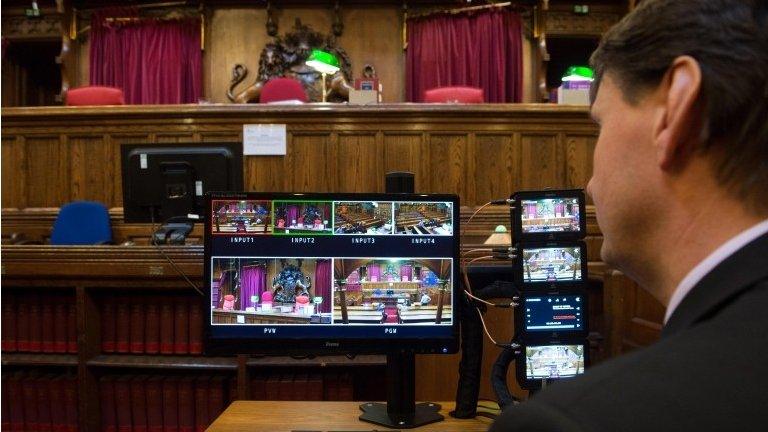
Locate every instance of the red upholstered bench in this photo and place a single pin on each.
(95, 95)
(458, 94)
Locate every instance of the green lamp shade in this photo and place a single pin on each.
(323, 62)
(579, 73)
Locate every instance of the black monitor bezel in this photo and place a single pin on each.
(517, 223)
(535, 337)
(234, 148)
(519, 266)
(533, 384)
(288, 346)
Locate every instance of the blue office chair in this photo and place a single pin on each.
(82, 223)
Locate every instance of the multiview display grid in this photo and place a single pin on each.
(314, 217)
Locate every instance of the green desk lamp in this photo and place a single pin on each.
(323, 62)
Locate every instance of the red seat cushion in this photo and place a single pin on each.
(95, 95)
(458, 94)
(282, 89)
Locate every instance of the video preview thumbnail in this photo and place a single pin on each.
(552, 264)
(392, 291)
(550, 215)
(553, 361)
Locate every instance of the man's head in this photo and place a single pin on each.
(682, 100)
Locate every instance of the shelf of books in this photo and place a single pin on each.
(105, 340)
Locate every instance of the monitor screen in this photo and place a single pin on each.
(302, 272)
(552, 264)
(553, 361)
(162, 181)
(548, 215)
(558, 313)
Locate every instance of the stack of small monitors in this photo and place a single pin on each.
(551, 268)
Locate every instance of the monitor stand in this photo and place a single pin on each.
(401, 410)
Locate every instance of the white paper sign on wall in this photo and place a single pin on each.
(264, 139)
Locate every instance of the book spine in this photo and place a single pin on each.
(216, 398)
(123, 404)
(137, 325)
(16, 402)
(170, 405)
(9, 322)
(46, 324)
(5, 403)
(71, 325)
(186, 405)
(122, 325)
(22, 323)
(108, 325)
(138, 404)
(29, 395)
(44, 403)
(70, 403)
(202, 388)
(107, 398)
(58, 404)
(61, 329)
(154, 392)
(195, 327)
(166, 325)
(152, 327)
(181, 326)
(35, 327)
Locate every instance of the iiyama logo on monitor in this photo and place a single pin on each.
(332, 344)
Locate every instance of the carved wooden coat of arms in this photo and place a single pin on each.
(286, 56)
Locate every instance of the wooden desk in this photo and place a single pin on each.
(321, 416)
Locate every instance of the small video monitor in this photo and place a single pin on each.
(551, 264)
(551, 315)
(550, 362)
(549, 215)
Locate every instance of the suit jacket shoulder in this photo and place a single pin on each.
(707, 374)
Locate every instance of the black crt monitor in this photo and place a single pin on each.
(551, 265)
(551, 315)
(162, 181)
(554, 360)
(548, 215)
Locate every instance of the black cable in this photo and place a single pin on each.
(499, 377)
(167, 258)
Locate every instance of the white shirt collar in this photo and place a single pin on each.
(709, 263)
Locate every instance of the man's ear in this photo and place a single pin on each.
(680, 117)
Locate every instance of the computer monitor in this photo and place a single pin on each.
(162, 181)
(307, 274)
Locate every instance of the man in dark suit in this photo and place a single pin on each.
(680, 183)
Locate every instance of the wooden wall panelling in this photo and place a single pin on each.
(358, 166)
(92, 165)
(14, 160)
(578, 158)
(497, 166)
(446, 164)
(542, 158)
(311, 163)
(402, 152)
(48, 176)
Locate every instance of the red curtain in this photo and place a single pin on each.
(479, 50)
(153, 61)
